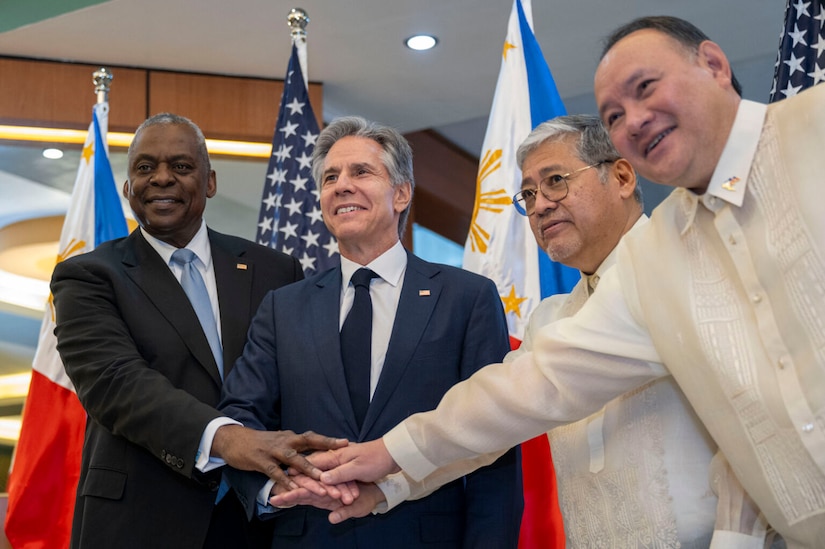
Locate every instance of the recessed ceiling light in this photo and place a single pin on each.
(421, 42)
(53, 154)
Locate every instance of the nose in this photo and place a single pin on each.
(543, 204)
(636, 118)
(163, 174)
(343, 183)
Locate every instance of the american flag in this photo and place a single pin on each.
(800, 63)
(290, 217)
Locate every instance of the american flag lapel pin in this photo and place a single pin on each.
(730, 183)
(423, 293)
(241, 266)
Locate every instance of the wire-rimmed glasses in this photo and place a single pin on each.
(553, 187)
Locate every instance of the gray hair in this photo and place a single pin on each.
(593, 144)
(170, 118)
(397, 155)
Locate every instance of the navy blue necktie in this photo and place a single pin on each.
(193, 285)
(356, 344)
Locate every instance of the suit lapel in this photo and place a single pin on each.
(325, 308)
(148, 271)
(233, 279)
(419, 295)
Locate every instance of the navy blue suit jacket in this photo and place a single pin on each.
(291, 377)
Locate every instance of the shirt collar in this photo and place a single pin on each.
(730, 178)
(389, 266)
(592, 280)
(199, 244)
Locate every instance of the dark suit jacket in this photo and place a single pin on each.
(134, 349)
(291, 376)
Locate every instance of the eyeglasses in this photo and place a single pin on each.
(554, 188)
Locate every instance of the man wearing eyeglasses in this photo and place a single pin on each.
(639, 468)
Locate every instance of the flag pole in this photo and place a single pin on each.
(297, 19)
(102, 79)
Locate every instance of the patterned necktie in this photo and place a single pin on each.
(195, 289)
(356, 344)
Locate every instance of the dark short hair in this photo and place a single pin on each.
(397, 153)
(170, 118)
(687, 34)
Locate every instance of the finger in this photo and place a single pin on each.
(347, 512)
(289, 498)
(343, 473)
(299, 463)
(314, 441)
(280, 477)
(324, 460)
(315, 487)
(349, 492)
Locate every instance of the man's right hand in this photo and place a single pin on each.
(367, 462)
(269, 451)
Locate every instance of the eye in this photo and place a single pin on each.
(143, 167)
(181, 167)
(611, 119)
(644, 85)
(528, 194)
(554, 180)
(330, 178)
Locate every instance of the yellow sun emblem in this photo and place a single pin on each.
(493, 201)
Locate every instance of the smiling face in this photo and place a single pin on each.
(169, 182)
(361, 207)
(668, 112)
(581, 229)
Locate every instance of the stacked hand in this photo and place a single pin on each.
(346, 487)
(268, 451)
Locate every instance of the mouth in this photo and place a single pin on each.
(162, 201)
(656, 140)
(552, 226)
(347, 209)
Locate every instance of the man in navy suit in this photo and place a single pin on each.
(133, 346)
(432, 326)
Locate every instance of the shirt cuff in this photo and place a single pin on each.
(203, 461)
(263, 498)
(405, 453)
(725, 539)
(396, 490)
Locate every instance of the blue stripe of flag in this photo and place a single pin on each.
(545, 103)
(109, 220)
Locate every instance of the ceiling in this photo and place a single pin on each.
(356, 50)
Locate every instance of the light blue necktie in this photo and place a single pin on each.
(195, 289)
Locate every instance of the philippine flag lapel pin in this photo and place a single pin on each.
(730, 183)
(423, 293)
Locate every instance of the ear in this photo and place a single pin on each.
(711, 56)
(126, 189)
(626, 177)
(403, 196)
(212, 184)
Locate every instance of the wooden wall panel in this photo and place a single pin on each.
(60, 95)
(445, 185)
(224, 107)
(55, 94)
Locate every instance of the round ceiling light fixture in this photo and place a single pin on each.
(53, 154)
(421, 42)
